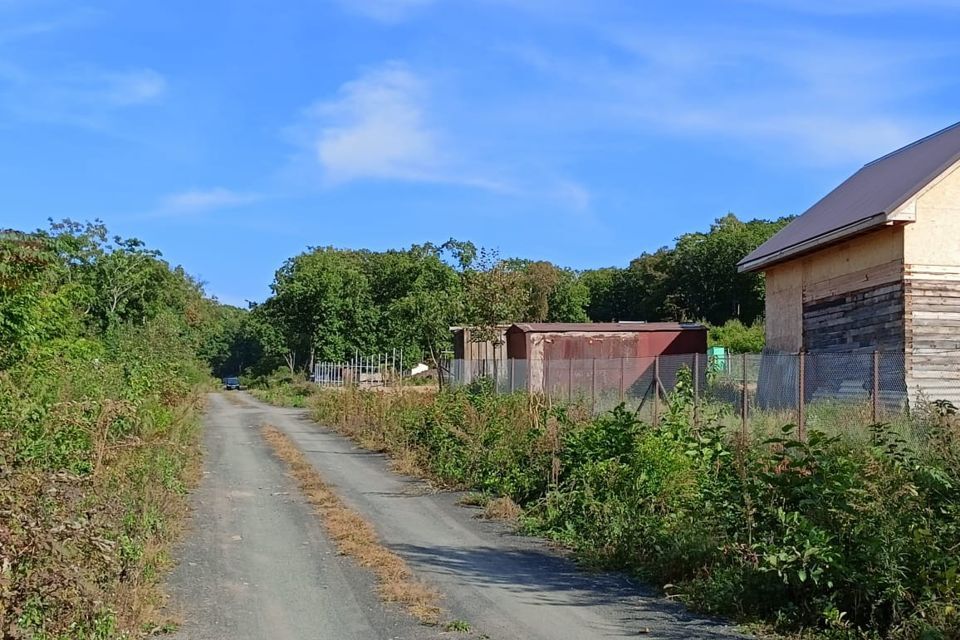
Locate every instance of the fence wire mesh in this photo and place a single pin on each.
(759, 392)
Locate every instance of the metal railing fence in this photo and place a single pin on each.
(379, 370)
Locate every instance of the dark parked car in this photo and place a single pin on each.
(231, 383)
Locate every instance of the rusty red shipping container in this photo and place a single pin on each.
(586, 341)
(619, 354)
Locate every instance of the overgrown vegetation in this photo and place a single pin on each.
(99, 377)
(833, 537)
(738, 337)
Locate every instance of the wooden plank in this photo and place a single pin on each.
(868, 278)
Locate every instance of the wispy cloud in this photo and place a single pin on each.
(82, 96)
(16, 30)
(130, 88)
(804, 93)
(385, 10)
(382, 126)
(195, 201)
(858, 7)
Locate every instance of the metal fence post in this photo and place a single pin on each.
(875, 395)
(570, 381)
(513, 374)
(593, 387)
(743, 396)
(656, 391)
(801, 394)
(545, 387)
(623, 366)
(696, 389)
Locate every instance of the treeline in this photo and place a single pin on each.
(103, 348)
(329, 303)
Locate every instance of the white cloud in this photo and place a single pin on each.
(574, 195)
(202, 200)
(381, 126)
(385, 10)
(377, 127)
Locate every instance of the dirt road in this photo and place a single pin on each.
(257, 564)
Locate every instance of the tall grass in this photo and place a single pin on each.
(836, 536)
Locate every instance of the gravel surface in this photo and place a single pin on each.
(256, 563)
(283, 575)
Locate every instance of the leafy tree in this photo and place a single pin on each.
(696, 279)
(495, 292)
(705, 271)
(420, 297)
(606, 296)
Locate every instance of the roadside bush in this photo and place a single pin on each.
(95, 456)
(99, 405)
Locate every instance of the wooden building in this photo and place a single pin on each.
(875, 265)
(479, 356)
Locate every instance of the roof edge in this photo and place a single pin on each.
(812, 244)
(913, 144)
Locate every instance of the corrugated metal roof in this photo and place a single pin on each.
(864, 200)
(602, 327)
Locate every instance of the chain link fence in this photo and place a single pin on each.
(753, 392)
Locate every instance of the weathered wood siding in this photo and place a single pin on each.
(932, 290)
(861, 320)
(828, 299)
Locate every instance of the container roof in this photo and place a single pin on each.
(864, 201)
(603, 327)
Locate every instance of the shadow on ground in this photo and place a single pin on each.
(542, 578)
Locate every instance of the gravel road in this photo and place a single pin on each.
(257, 564)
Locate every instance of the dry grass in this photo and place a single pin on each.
(473, 499)
(502, 509)
(405, 462)
(355, 537)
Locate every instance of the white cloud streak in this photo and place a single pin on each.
(83, 97)
(381, 126)
(389, 11)
(827, 100)
(195, 201)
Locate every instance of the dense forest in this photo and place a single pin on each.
(329, 303)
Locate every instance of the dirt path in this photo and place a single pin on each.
(256, 563)
(504, 585)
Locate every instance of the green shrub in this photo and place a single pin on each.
(738, 337)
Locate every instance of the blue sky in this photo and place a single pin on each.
(232, 135)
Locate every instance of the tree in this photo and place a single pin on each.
(420, 297)
(604, 287)
(495, 293)
(707, 283)
(324, 305)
